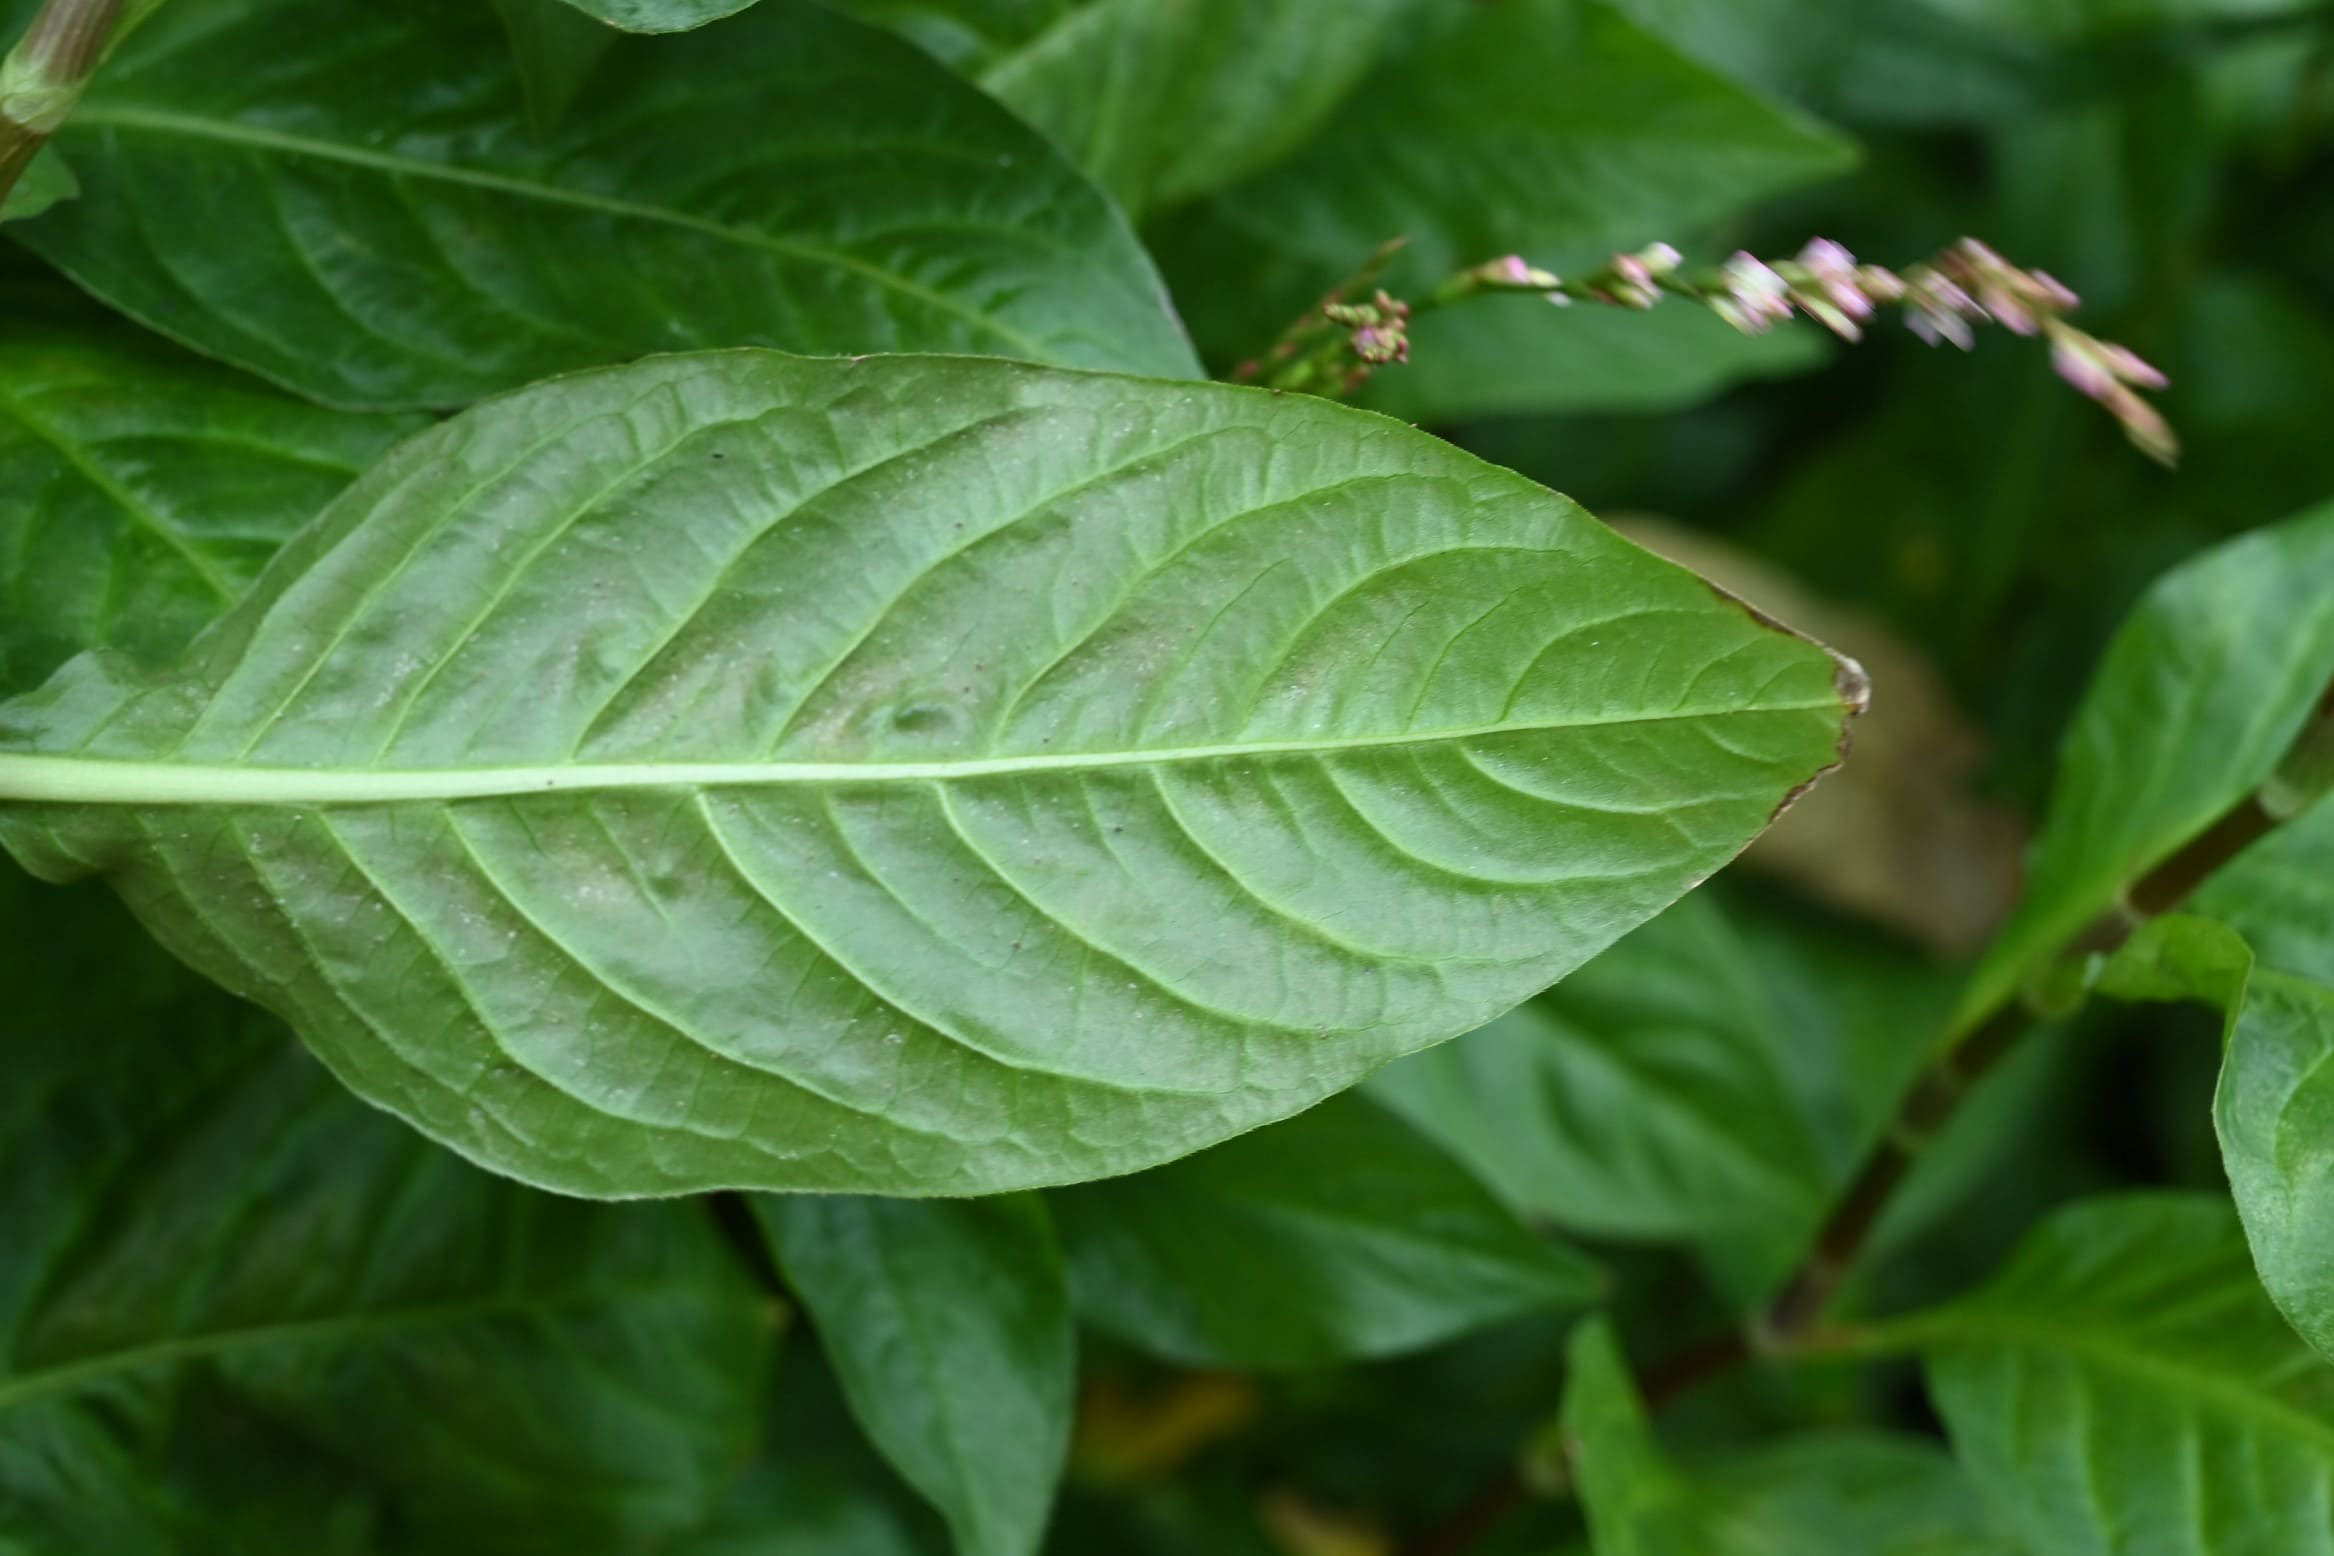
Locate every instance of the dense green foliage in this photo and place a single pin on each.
(698, 854)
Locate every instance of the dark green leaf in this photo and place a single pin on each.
(1655, 1094)
(141, 490)
(1507, 356)
(1533, 125)
(815, 1488)
(2124, 1386)
(48, 180)
(238, 1307)
(915, 775)
(1159, 100)
(348, 197)
(1341, 1233)
(948, 1325)
(2198, 699)
(557, 49)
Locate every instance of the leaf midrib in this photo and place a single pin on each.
(2109, 1351)
(228, 132)
(26, 777)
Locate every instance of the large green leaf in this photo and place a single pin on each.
(2198, 699)
(2124, 1388)
(1658, 1093)
(141, 490)
(348, 197)
(2274, 1112)
(241, 1312)
(948, 1325)
(2274, 1109)
(1339, 1234)
(1540, 125)
(915, 775)
(1837, 1493)
(1159, 100)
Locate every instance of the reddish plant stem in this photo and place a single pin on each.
(45, 73)
(1931, 1102)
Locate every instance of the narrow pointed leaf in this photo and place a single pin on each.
(1339, 1234)
(142, 489)
(351, 199)
(2198, 699)
(2125, 1387)
(947, 1323)
(915, 775)
(240, 1311)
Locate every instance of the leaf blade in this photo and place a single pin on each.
(383, 259)
(1052, 664)
(1336, 1235)
(948, 1325)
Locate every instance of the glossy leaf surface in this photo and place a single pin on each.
(927, 776)
(947, 1323)
(1338, 1234)
(790, 178)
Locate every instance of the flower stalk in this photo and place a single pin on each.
(43, 77)
(1337, 347)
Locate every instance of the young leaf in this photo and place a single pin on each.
(1837, 1493)
(1159, 100)
(948, 1325)
(1534, 125)
(141, 490)
(1338, 1234)
(915, 775)
(2124, 1385)
(2199, 697)
(47, 181)
(239, 1310)
(350, 199)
